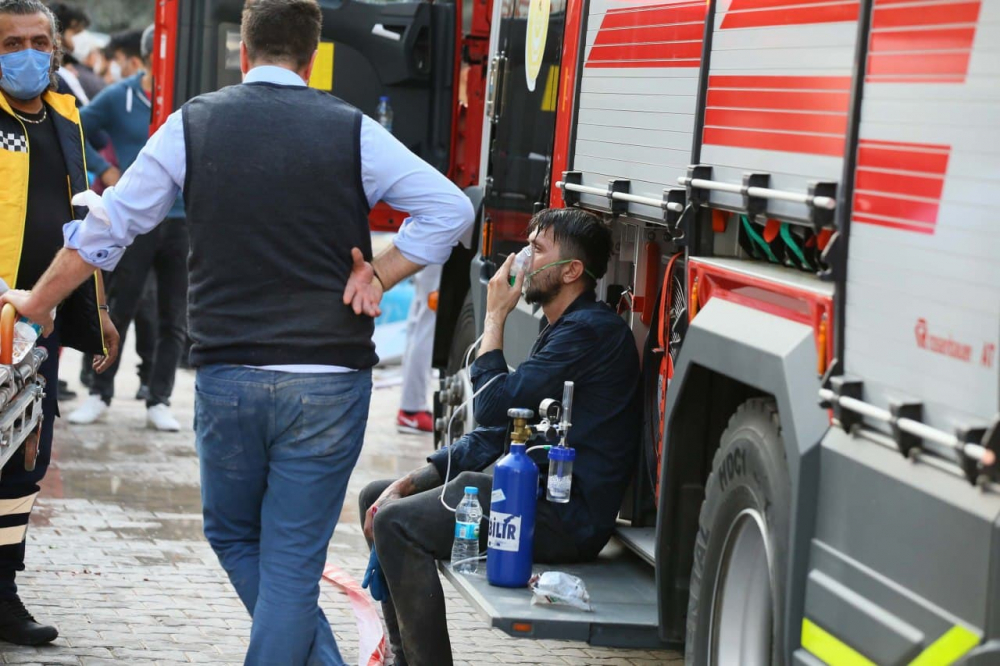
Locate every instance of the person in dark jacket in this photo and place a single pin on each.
(41, 150)
(123, 111)
(584, 341)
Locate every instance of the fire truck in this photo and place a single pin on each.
(799, 196)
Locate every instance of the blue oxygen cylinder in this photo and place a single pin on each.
(512, 510)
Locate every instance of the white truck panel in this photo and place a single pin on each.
(779, 95)
(638, 96)
(923, 286)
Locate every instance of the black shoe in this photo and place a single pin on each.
(63, 391)
(18, 627)
(142, 393)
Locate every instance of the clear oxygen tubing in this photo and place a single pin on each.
(447, 473)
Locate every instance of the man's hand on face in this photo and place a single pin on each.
(501, 297)
(364, 291)
(21, 300)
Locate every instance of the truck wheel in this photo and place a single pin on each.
(457, 383)
(740, 557)
(463, 336)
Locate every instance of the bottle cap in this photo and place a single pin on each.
(471, 490)
(383, 98)
(562, 453)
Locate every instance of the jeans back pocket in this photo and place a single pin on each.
(217, 429)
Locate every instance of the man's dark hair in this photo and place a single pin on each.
(579, 235)
(27, 8)
(281, 30)
(69, 16)
(128, 42)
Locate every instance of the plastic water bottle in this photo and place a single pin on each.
(384, 112)
(465, 550)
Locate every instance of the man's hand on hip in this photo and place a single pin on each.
(364, 291)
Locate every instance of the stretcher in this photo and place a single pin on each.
(21, 391)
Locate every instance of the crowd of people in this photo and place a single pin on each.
(267, 266)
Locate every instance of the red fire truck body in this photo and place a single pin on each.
(801, 195)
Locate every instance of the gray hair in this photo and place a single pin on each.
(29, 7)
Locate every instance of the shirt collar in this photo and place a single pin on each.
(273, 74)
(586, 299)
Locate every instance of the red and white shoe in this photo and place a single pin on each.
(414, 423)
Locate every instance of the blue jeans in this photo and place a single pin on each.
(276, 451)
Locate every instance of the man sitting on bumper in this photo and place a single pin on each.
(584, 341)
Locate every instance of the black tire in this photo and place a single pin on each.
(743, 531)
(463, 337)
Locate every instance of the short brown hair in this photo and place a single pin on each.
(281, 30)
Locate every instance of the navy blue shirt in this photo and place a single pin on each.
(591, 346)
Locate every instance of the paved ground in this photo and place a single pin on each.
(118, 562)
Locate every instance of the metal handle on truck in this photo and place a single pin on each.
(827, 203)
(621, 196)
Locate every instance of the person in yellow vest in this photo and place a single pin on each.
(41, 167)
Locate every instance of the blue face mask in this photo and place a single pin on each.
(25, 73)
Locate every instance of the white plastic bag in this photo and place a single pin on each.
(559, 589)
(25, 336)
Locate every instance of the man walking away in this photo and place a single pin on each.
(123, 110)
(278, 180)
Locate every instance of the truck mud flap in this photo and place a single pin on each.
(622, 591)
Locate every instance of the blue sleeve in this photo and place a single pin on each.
(95, 162)
(474, 452)
(96, 118)
(540, 376)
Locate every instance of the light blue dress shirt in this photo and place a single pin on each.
(440, 214)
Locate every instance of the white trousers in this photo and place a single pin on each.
(419, 341)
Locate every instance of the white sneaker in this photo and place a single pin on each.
(158, 417)
(92, 410)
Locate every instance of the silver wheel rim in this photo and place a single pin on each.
(742, 607)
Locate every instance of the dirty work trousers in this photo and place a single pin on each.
(411, 534)
(276, 451)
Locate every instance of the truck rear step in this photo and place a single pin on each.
(622, 591)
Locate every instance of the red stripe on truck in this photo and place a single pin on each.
(899, 185)
(763, 13)
(776, 120)
(936, 49)
(668, 35)
(807, 83)
(797, 114)
(832, 146)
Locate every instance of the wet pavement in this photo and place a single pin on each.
(117, 559)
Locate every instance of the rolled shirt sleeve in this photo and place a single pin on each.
(440, 214)
(137, 204)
